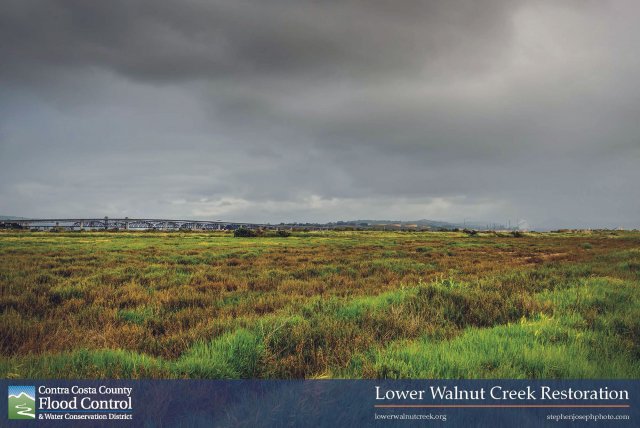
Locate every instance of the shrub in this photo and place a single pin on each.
(243, 232)
(283, 233)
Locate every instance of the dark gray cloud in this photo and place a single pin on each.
(321, 110)
(193, 39)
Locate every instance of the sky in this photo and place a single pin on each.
(308, 110)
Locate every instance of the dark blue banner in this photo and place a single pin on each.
(332, 403)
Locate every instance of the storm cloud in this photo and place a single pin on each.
(282, 110)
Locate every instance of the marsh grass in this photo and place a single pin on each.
(319, 304)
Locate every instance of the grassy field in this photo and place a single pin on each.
(319, 304)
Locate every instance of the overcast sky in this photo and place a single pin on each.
(294, 110)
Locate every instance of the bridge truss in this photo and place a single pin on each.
(126, 223)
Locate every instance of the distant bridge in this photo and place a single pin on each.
(129, 224)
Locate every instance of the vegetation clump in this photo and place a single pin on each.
(243, 232)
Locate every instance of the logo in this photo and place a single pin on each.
(22, 402)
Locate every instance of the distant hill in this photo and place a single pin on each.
(11, 217)
(424, 223)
